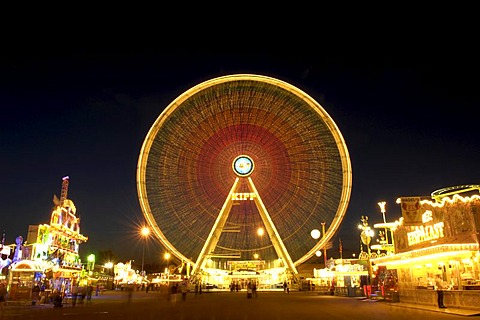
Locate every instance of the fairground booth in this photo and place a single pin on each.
(23, 276)
(341, 277)
(437, 235)
(50, 256)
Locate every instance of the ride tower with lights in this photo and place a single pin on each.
(238, 154)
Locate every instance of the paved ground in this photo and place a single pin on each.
(231, 306)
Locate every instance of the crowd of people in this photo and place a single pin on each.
(173, 291)
(80, 293)
(77, 294)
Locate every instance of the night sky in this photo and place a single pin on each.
(409, 119)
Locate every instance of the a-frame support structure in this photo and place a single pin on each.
(218, 228)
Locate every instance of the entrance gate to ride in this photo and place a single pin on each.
(240, 273)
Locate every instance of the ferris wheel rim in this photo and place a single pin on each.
(177, 103)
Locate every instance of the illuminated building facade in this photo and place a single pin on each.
(437, 236)
(50, 256)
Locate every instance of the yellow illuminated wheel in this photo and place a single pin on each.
(302, 168)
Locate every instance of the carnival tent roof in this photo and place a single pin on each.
(26, 265)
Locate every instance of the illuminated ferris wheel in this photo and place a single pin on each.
(238, 154)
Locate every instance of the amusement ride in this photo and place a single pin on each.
(236, 172)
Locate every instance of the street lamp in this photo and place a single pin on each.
(260, 231)
(167, 257)
(366, 237)
(109, 267)
(382, 209)
(145, 232)
(367, 233)
(315, 233)
(90, 262)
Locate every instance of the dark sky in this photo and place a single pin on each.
(409, 117)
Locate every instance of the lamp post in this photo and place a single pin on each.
(167, 257)
(366, 237)
(109, 267)
(145, 232)
(316, 235)
(90, 263)
(366, 234)
(260, 233)
(382, 210)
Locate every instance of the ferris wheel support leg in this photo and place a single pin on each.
(272, 231)
(216, 231)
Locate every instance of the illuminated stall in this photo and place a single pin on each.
(22, 278)
(50, 256)
(437, 236)
(56, 245)
(125, 274)
(342, 277)
(266, 276)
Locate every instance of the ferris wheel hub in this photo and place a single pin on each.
(243, 165)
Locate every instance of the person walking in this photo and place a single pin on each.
(74, 292)
(184, 289)
(249, 290)
(89, 294)
(440, 287)
(36, 294)
(173, 293)
(3, 295)
(82, 292)
(57, 299)
(130, 289)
